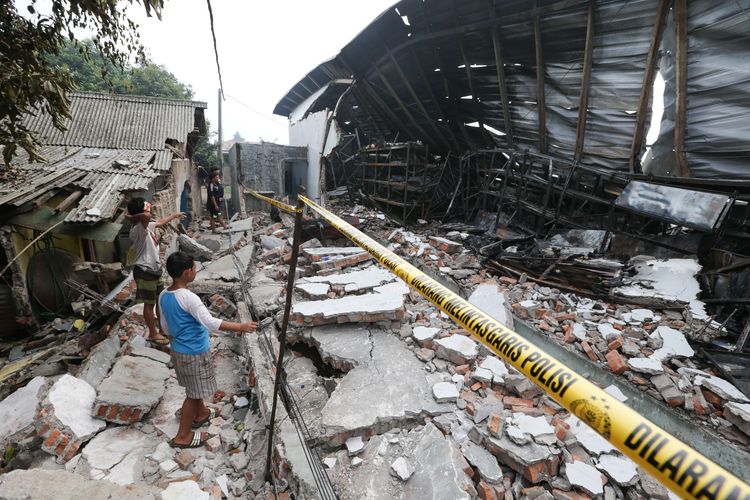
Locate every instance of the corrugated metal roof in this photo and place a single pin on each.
(121, 122)
(163, 161)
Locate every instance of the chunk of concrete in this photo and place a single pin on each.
(424, 334)
(608, 331)
(321, 253)
(402, 469)
(445, 392)
(134, 387)
(354, 281)
(489, 298)
(42, 484)
(111, 446)
(535, 462)
(497, 367)
(584, 476)
(264, 294)
(537, 428)
(18, 411)
(225, 268)
(675, 345)
(484, 461)
(342, 346)
(651, 366)
(148, 352)
(98, 363)
(65, 421)
(588, 437)
(184, 490)
(380, 394)
(725, 390)
(457, 349)
(354, 445)
(621, 469)
(739, 415)
(314, 291)
(371, 307)
(193, 248)
(271, 242)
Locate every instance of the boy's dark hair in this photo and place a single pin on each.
(178, 263)
(135, 205)
(214, 173)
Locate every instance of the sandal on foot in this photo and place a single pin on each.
(194, 443)
(160, 342)
(211, 414)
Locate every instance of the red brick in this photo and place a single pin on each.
(462, 369)
(135, 416)
(530, 411)
(511, 401)
(494, 424)
(476, 386)
(544, 326)
(112, 413)
(564, 316)
(71, 451)
(101, 411)
(540, 312)
(589, 351)
(251, 378)
(505, 280)
(712, 398)
(485, 491)
(618, 326)
(638, 380)
(42, 432)
(616, 363)
(60, 448)
(51, 440)
(615, 345)
(125, 414)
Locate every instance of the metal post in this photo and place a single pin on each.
(285, 323)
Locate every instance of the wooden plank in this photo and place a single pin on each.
(502, 87)
(542, 118)
(680, 125)
(648, 81)
(585, 84)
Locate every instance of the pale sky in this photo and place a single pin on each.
(264, 49)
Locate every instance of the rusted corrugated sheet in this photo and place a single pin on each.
(120, 122)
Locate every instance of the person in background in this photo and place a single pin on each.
(187, 321)
(148, 269)
(215, 203)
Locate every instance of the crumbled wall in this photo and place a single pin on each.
(262, 164)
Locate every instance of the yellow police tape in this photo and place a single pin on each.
(676, 465)
(278, 204)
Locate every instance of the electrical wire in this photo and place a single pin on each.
(256, 111)
(216, 49)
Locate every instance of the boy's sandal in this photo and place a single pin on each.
(159, 342)
(194, 443)
(211, 414)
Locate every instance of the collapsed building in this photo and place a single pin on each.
(62, 222)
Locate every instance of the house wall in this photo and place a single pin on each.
(311, 132)
(262, 164)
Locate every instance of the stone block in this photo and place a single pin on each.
(457, 349)
(135, 386)
(64, 420)
(18, 411)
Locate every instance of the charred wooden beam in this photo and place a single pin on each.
(433, 97)
(472, 87)
(502, 87)
(424, 135)
(542, 118)
(418, 102)
(585, 84)
(378, 104)
(648, 81)
(680, 123)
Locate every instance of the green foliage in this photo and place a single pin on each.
(205, 150)
(93, 72)
(30, 84)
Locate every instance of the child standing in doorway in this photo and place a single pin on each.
(187, 320)
(215, 201)
(147, 270)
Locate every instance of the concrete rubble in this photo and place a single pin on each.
(397, 400)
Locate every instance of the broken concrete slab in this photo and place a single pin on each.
(445, 392)
(402, 469)
(371, 307)
(163, 416)
(313, 291)
(457, 349)
(64, 421)
(651, 366)
(316, 254)
(536, 428)
(264, 293)
(241, 225)
(341, 346)
(489, 298)
(354, 281)
(584, 476)
(739, 415)
(134, 388)
(396, 390)
(225, 268)
(483, 461)
(722, 388)
(271, 242)
(535, 462)
(111, 446)
(588, 437)
(62, 485)
(194, 248)
(184, 490)
(18, 411)
(424, 334)
(497, 367)
(620, 469)
(98, 363)
(675, 345)
(147, 352)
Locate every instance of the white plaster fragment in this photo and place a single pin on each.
(651, 366)
(675, 345)
(584, 476)
(616, 393)
(445, 392)
(721, 388)
(73, 399)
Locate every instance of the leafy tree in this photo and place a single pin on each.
(30, 84)
(91, 71)
(205, 150)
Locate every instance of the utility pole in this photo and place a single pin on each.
(219, 145)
